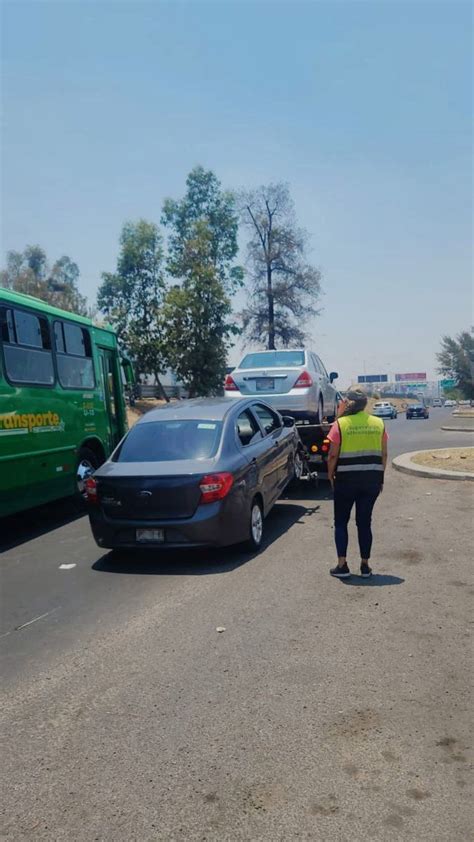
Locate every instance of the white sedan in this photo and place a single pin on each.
(383, 409)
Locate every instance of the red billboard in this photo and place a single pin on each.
(412, 376)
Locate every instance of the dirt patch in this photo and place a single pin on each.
(142, 406)
(447, 459)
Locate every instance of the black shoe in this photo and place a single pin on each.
(341, 572)
(365, 571)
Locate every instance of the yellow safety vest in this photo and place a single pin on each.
(360, 453)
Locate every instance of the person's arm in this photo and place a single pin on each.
(384, 452)
(332, 461)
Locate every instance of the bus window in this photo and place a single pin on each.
(26, 347)
(74, 356)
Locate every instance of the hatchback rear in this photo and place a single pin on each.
(294, 382)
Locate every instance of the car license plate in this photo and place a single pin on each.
(265, 384)
(150, 536)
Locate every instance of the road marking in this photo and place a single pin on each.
(66, 566)
(35, 619)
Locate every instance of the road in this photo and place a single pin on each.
(325, 710)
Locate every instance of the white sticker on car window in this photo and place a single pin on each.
(206, 426)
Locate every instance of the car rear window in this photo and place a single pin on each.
(170, 441)
(273, 359)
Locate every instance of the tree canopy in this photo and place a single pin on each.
(197, 313)
(132, 296)
(456, 360)
(29, 272)
(285, 288)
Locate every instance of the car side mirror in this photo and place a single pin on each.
(333, 376)
(288, 421)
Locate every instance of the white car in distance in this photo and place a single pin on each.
(384, 409)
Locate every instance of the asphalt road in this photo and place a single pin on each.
(325, 710)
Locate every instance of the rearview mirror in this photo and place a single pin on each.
(288, 421)
(333, 376)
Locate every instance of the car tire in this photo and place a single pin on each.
(332, 418)
(298, 467)
(320, 415)
(87, 462)
(255, 538)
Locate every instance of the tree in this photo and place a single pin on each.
(285, 288)
(456, 360)
(204, 201)
(132, 297)
(29, 272)
(202, 246)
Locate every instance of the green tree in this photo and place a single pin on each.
(285, 288)
(132, 297)
(28, 272)
(456, 360)
(202, 243)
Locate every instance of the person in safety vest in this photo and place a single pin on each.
(356, 465)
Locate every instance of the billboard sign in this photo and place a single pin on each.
(416, 375)
(372, 378)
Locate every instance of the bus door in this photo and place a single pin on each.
(112, 388)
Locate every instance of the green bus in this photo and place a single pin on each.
(62, 409)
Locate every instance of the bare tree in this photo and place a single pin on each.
(285, 289)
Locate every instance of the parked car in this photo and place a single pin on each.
(450, 402)
(204, 472)
(417, 410)
(437, 402)
(383, 409)
(294, 382)
(464, 403)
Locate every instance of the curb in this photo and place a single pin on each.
(404, 464)
(459, 429)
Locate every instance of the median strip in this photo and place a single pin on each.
(434, 463)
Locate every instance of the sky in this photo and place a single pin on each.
(364, 108)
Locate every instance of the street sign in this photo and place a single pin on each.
(416, 375)
(372, 378)
(416, 385)
(450, 383)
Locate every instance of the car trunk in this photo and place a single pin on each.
(269, 381)
(154, 497)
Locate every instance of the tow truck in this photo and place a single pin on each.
(313, 450)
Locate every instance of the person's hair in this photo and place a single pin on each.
(356, 402)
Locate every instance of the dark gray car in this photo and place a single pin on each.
(202, 472)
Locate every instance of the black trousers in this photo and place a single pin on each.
(346, 494)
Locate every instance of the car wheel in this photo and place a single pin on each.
(298, 466)
(332, 418)
(87, 462)
(320, 415)
(255, 525)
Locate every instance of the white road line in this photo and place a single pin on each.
(35, 619)
(66, 566)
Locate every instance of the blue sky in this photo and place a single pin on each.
(364, 108)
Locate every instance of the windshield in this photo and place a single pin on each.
(273, 359)
(170, 441)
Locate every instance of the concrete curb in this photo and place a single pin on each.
(404, 464)
(459, 429)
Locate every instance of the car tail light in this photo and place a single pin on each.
(325, 445)
(215, 487)
(91, 490)
(229, 384)
(304, 381)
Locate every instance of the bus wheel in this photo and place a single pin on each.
(87, 462)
